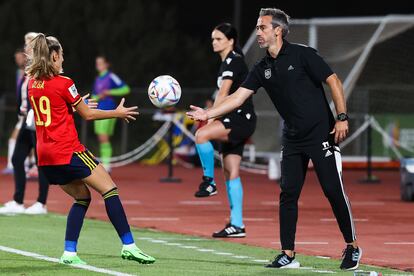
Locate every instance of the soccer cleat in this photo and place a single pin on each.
(12, 207)
(284, 261)
(206, 188)
(136, 254)
(230, 231)
(66, 259)
(351, 257)
(36, 209)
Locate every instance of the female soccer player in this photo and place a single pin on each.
(232, 129)
(107, 85)
(64, 160)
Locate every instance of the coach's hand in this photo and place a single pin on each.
(340, 130)
(197, 113)
(126, 113)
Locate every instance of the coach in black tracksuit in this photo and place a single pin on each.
(292, 76)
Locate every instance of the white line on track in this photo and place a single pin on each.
(258, 219)
(199, 202)
(54, 260)
(332, 219)
(275, 203)
(124, 202)
(153, 219)
(306, 242)
(399, 243)
(368, 203)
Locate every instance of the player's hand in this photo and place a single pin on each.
(197, 113)
(340, 130)
(92, 103)
(126, 113)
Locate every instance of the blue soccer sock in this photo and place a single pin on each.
(117, 216)
(74, 223)
(235, 195)
(206, 154)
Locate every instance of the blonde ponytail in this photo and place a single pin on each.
(40, 64)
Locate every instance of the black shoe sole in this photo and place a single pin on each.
(212, 194)
(227, 237)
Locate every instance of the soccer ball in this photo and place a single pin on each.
(164, 91)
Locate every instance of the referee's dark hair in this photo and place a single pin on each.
(279, 19)
(231, 33)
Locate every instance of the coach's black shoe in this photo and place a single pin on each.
(284, 261)
(230, 231)
(206, 188)
(351, 257)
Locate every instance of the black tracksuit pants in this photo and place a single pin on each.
(326, 159)
(26, 141)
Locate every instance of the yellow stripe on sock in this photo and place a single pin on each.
(82, 202)
(91, 161)
(113, 193)
(84, 161)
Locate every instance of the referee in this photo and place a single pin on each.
(292, 76)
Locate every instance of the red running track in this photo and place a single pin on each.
(384, 224)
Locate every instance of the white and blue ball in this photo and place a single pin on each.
(164, 91)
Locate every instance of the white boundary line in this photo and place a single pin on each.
(154, 219)
(333, 219)
(54, 260)
(199, 202)
(228, 254)
(399, 243)
(306, 242)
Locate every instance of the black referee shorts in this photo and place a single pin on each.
(242, 125)
(81, 166)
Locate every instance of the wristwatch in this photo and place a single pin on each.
(342, 117)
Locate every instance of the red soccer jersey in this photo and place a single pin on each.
(52, 101)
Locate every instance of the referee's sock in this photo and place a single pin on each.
(74, 223)
(117, 216)
(235, 195)
(206, 153)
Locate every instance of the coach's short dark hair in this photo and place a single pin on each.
(279, 18)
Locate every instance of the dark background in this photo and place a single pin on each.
(146, 38)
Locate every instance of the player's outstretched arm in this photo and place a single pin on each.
(122, 112)
(229, 103)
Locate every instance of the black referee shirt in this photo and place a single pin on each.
(234, 68)
(293, 81)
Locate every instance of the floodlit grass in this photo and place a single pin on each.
(176, 254)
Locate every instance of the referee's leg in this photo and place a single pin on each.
(328, 166)
(293, 168)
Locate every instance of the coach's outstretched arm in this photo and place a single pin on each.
(229, 103)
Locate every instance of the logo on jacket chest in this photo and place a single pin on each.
(268, 73)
